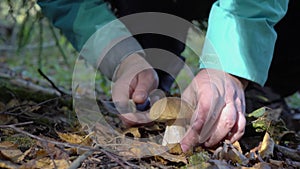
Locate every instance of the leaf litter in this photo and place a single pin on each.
(59, 141)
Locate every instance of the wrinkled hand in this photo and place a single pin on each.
(134, 79)
(219, 109)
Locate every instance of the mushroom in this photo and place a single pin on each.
(176, 113)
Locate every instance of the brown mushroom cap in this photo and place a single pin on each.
(170, 108)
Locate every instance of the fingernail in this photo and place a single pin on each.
(140, 96)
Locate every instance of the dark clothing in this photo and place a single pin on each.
(185, 9)
(284, 68)
(284, 74)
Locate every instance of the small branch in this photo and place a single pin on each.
(51, 82)
(79, 159)
(290, 153)
(76, 163)
(13, 126)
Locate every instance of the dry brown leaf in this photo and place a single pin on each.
(12, 103)
(46, 163)
(2, 106)
(133, 131)
(7, 165)
(277, 163)
(9, 150)
(170, 108)
(6, 119)
(267, 147)
(237, 146)
(175, 149)
(230, 153)
(75, 139)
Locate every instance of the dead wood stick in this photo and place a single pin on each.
(290, 153)
(76, 163)
(14, 127)
(51, 82)
(87, 148)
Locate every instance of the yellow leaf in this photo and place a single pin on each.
(267, 147)
(133, 132)
(7, 165)
(46, 163)
(237, 146)
(74, 138)
(175, 149)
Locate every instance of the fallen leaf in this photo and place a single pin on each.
(267, 147)
(258, 112)
(132, 132)
(2, 106)
(175, 149)
(12, 103)
(74, 138)
(229, 153)
(277, 163)
(6, 119)
(9, 150)
(7, 165)
(46, 163)
(237, 146)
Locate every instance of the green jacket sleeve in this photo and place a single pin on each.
(240, 38)
(84, 22)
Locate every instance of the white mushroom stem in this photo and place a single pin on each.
(173, 134)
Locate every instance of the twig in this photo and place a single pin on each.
(116, 159)
(51, 82)
(15, 108)
(290, 153)
(76, 163)
(13, 126)
(112, 156)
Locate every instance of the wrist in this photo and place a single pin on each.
(243, 82)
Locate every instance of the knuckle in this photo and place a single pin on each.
(204, 106)
(230, 122)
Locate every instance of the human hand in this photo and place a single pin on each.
(135, 79)
(219, 103)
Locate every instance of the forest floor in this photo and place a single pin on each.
(39, 128)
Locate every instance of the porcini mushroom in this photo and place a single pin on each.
(176, 113)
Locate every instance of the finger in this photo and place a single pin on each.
(239, 128)
(121, 94)
(212, 112)
(223, 126)
(136, 119)
(146, 82)
(191, 137)
(120, 91)
(189, 95)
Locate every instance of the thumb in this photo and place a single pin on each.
(147, 81)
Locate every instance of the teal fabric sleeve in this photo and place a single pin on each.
(84, 22)
(240, 38)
